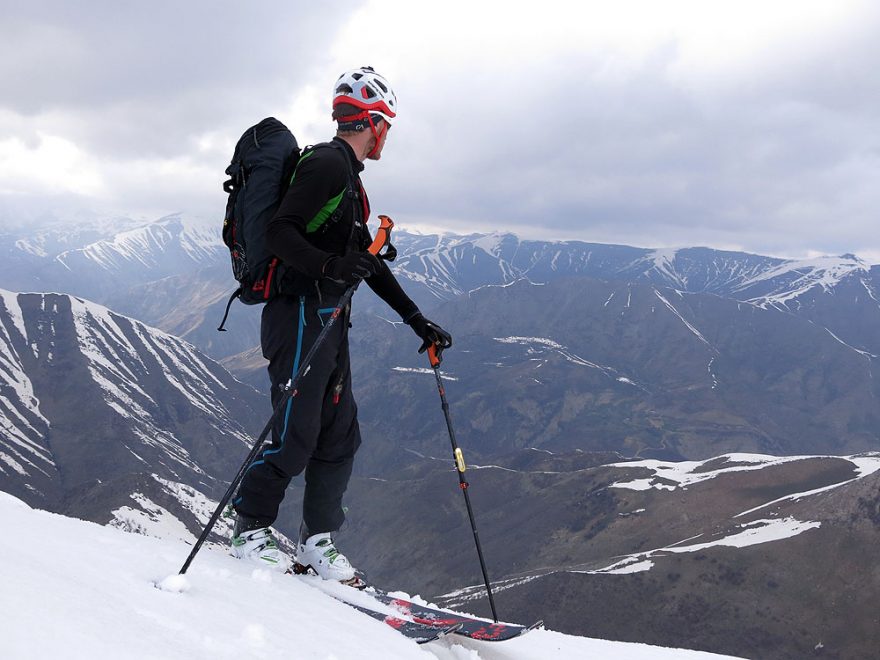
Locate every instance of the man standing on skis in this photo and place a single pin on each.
(320, 232)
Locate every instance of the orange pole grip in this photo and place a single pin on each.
(433, 356)
(383, 235)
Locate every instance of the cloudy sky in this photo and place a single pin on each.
(748, 125)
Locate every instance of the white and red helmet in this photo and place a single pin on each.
(367, 90)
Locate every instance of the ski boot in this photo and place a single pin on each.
(254, 541)
(318, 555)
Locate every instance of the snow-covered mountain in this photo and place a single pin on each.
(219, 612)
(92, 403)
(450, 265)
(174, 273)
(172, 243)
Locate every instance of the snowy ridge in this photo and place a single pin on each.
(110, 575)
(146, 246)
(440, 264)
(699, 269)
(795, 278)
(67, 233)
(448, 264)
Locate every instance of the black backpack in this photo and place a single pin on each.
(262, 165)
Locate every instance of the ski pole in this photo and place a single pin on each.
(383, 239)
(434, 356)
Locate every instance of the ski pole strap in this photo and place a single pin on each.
(235, 294)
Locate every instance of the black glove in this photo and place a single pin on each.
(429, 332)
(352, 267)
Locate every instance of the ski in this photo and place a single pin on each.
(359, 594)
(420, 633)
(469, 626)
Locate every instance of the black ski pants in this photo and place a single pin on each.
(317, 431)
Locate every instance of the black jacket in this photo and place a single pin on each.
(325, 213)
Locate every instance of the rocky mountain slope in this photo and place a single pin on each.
(95, 406)
(751, 555)
(597, 365)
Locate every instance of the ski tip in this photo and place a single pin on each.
(537, 624)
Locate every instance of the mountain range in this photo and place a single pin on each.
(174, 273)
(617, 406)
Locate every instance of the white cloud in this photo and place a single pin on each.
(733, 124)
(52, 164)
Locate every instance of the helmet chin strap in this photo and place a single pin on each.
(378, 136)
(356, 122)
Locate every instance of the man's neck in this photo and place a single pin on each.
(359, 143)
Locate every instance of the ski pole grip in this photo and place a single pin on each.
(383, 235)
(434, 355)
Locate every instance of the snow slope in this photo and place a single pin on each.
(91, 595)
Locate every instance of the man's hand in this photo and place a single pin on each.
(430, 333)
(352, 267)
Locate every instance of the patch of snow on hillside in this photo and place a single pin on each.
(195, 501)
(663, 261)
(689, 326)
(532, 342)
(492, 243)
(149, 519)
(172, 360)
(686, 473)
(19, 406)
(857, 350)
(31, 246)
(108, 370)
(167, 443)
(866, 464)
(744, 535)
(16, 381)
(14, 464)
(753, 533)
(423, 370)
(10, 301)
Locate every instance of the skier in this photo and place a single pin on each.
(320, 232)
